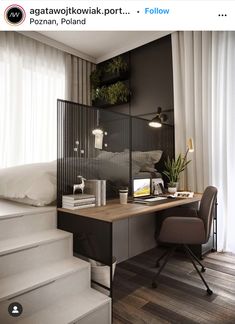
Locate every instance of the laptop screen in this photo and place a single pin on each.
(141, 187)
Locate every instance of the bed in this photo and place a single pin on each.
(36, 184)
(30, 184)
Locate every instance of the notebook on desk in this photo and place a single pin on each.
(142, 192)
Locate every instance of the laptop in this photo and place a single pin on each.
(142, 191)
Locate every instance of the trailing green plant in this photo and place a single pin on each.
(117, 92)
(173, 168)
(113, 94)
(100, 93)
(95, 78)
(116, 65)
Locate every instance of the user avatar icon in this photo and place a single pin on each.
(15, 309)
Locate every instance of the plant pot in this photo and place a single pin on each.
(172, 190)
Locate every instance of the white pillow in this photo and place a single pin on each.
(105, 155)
(146, 160)
(35, 183)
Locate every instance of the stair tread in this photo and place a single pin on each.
(10, 209)
(67, 311)
(25, 281)
(23, 242)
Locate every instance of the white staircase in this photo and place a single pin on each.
(38, 270)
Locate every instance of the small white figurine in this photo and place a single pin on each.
(79, 186)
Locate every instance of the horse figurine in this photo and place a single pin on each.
(79, 186)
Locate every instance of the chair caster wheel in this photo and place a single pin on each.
(154, 285)
(209, 292)
(203, 269)
(157, 265)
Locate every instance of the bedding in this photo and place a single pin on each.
(141, 160)
(33, 184)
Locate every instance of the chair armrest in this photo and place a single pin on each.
(182, 230)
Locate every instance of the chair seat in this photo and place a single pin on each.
(182, 230)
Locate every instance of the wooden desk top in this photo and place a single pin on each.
(114, 211)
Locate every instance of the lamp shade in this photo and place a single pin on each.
(190, 145)
(97, 131)
(156, 122)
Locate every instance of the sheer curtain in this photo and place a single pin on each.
(191, 53)
(32, 77)
(204, 97)
(223, 133)
(78, 79)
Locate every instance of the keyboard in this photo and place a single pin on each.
(148, 200)
(155, 199)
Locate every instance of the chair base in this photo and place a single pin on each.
(167, 254)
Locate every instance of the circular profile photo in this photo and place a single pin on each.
(15, 309)
(14, 15)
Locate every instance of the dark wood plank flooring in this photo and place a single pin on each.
(180, 296)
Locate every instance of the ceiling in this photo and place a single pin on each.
(96, 46)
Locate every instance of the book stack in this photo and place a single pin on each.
(98, 189)
(78, 201)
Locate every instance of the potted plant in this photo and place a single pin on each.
(100, 94)
(118, 93)
(111, 95)
(173, 169)
(95, 77)
(116, 65)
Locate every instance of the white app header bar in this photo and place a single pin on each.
(117, 15)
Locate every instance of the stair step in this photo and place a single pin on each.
(16, 223)
(32, 251)
(25, 242)
(11, 209)
(42, 297)
(88, 307)
(24, 282)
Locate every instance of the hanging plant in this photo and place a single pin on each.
(100, 94)
(116, 65)
(95, 78)
(117, 92)
(113, 94)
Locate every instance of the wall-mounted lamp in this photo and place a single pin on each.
(190, 149)
(190, 146)
(156, 122)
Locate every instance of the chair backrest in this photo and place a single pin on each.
(207, 208)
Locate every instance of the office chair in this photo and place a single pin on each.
(180, 230)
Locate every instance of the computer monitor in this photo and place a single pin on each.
(141, 187)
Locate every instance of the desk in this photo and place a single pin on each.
(93, 228)
(114, 211)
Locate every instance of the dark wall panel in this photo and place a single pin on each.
(152, 77)
(151, 84)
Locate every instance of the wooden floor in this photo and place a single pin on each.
(180, 296)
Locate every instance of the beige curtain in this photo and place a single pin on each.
(191, 52)
(78, 79)
(204, 96)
